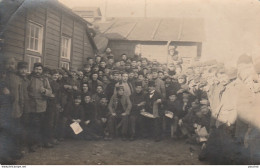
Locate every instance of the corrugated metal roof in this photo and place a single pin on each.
(154, 29)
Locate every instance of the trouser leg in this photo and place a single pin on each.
(124, 125)
(133, 119)
(158, 128)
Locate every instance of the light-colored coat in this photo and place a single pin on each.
(38, 101)
(227, 110)
(125, 101)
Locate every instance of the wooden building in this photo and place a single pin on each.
(153, 37)
(45, 31)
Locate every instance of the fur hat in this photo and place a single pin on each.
(22, 64)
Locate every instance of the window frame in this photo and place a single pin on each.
(64, 62)
(40, 36)
(68, 48)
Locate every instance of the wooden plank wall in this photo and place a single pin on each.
(14, 41)
(52, 38)
(55, 23)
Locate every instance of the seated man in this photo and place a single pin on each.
(119, 109)
(153, 106)
(138, 102)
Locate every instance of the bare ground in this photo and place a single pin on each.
(116, 152)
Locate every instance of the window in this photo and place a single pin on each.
(31, 60)
(65, 47)
(65, 65)
(34, 37)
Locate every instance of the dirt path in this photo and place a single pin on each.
(115, 152)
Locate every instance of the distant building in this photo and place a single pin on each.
(153, 37)
(45, 31)
(90, 14)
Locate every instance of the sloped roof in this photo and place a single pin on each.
(83, 9)
(154, 29)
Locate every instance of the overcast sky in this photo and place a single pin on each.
(232, 27)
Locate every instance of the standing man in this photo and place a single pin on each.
(159, 84)
(128, 88)
(39, 89)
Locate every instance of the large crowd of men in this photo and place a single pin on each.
(133, 98)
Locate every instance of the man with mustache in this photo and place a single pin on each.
(38, 90)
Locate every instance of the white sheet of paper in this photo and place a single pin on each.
(76, 128)
(146, 114)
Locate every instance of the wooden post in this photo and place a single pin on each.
(167, 53)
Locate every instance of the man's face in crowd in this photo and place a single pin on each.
(178, 70)
(38, 70)
(115, 77)
(138, 89)
(171, 52)
(124, 57)
(81, 75)
(117, 64)
(119, 76)
(87, 69)
(171, 67)
(87, 99)
(144, 63)
(96, 68)
(138, 63)
(99, 89)
(60, 76)
(131, 75)
(103, 101)
(22, 71)
(160, 75)
(149, 76)
(145, 71)
(100, 73)
(111, 61)
(105, 80)
(77, 101)
(85, 87)
(103, 64)
(133, 63)
(55, 76)
(189, 72)
(155, 74)
(125, 77)
(85, 79)
(94, 76)
(10, 64)
(136, 75)
(91, 61)
(141, 77)
(107, 71)
(120, 92)
(74, 75)
(172, 98)
(98, 59)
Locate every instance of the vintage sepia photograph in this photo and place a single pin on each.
(130, 82)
